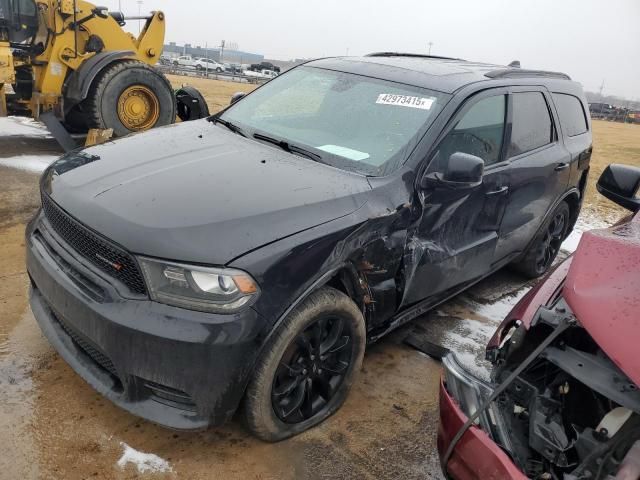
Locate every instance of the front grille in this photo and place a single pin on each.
(102, 253)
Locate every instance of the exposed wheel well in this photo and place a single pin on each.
(343, 281)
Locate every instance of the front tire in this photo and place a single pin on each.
(130, 96)
(307, 370)
(546, 245)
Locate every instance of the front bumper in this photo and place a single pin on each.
(476, 456)
(178, 368)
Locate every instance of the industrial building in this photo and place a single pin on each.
(173, 50)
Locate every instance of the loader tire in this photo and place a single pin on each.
(130, 96)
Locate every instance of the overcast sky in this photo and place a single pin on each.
(591, 40)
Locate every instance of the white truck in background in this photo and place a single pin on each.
(262, 74)
(184, 61)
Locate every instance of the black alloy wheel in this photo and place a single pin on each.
(312, 369)
(307, 367)
(550, 245)
(544, 247)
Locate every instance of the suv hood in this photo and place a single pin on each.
(196, 192)
(602, 290)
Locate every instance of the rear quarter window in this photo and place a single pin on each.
(572, 116)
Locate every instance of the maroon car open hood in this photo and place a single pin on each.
(603, 289)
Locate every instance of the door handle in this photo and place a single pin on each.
(561, 166)
(497, 192)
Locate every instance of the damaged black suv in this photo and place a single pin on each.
(249, 257)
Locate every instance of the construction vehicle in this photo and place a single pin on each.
(71, 65)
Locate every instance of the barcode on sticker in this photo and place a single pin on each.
(405, 101)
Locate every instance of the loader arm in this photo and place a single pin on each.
(69, 34)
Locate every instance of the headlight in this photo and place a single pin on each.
(219, 290)
(469, 391)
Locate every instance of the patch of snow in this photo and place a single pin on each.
(466, 325)
(23, 127)
(144, 462)
(30, 163)
(495, 312)
(585, 223)
(467, 339)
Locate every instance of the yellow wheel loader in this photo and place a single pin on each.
(71, 65)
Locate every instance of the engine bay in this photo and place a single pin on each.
(572, 413)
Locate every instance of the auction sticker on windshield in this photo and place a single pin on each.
(405, 101)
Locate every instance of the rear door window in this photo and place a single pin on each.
(532, 125)
(571, 113)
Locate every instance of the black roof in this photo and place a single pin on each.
(443, 74)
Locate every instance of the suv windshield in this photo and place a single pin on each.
(349, 121)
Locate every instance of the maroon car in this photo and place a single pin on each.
(564, 397)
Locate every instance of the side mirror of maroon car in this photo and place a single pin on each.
(620, 184)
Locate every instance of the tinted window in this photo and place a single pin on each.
(479, 132)
(532, 126)
(350, 121)
(571, 114)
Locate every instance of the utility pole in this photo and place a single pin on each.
(601, 89)
(222, 51)
(139, 2)
(206, 63)
(430, 45)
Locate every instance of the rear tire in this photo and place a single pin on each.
(191, 105)
(546, 245)
(130, 96)
(306, 371)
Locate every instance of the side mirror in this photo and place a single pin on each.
(463, 171)
(620, 184)
(464, 168)
(236, 96)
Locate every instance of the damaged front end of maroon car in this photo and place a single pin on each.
(564, 397)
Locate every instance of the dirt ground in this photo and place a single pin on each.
(54, 426)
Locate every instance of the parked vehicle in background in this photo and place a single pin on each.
(380, 186)
(601, 109)
(258, 67)
(208, 64)
(184, 61)
(233, 68)
(564, 401)
(260, 74)
(166, 61)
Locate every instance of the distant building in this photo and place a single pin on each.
(173, 50)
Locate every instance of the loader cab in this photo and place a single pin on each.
(18, 21)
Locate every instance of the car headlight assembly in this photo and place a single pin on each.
(468, 391)
(206, 289)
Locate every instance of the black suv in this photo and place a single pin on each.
(250, 256)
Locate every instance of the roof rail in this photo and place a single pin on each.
(518, 72)
(414, 55)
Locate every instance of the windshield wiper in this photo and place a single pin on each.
(231, 126)
(288, 147)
